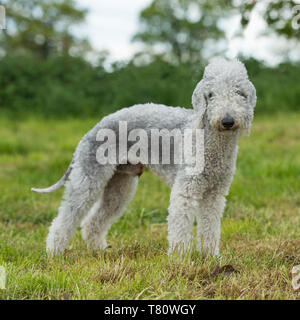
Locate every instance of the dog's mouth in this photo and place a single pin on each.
(221, 128)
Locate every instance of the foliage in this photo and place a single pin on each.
(42, 28)
(278, 14)
(65, 86)
(181, 27)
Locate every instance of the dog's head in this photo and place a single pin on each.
(225, 98)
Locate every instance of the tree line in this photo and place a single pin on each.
(44, 70)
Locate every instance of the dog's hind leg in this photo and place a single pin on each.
(82, 191)
(117, 194)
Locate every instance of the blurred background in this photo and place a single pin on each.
(75, 58)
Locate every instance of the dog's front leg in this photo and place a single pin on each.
(209, 224)
(181, 217)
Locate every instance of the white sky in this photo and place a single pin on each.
(111, 24)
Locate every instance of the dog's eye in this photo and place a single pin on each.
(241, 93)
(210, 95)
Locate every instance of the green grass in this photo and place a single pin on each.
(260, 228)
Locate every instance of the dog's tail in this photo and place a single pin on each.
(58, 184)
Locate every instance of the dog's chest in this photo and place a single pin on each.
(219, 168)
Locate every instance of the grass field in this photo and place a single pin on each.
(260, 229)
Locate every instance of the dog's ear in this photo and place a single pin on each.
(252, 103)
(252, 96)
(199, 100)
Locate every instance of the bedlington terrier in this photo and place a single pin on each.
(97, 194)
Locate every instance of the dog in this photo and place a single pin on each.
(97, 194)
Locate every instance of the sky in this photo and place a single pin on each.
(111, 24)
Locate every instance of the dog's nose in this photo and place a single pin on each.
(227, 122)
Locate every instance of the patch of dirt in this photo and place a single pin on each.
(226, 270)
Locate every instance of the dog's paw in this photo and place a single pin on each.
(55, 244)
(53, 250)
(179, 252)
(96, 244)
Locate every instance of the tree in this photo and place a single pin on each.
(281, 17)
(42, 28)
(182, 29)
(278, 14)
